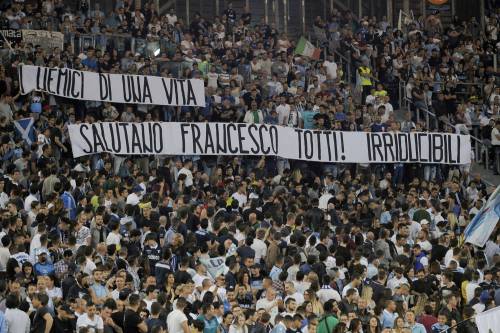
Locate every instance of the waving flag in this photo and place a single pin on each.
(482, 225)
(307, 49)
(25, 128)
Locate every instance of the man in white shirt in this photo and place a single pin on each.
(186, 170)
(326, 292)
(17, 320)
(283, 111)
(90, 319)
(471, 287)
(4, 252)
(495, 142)
(30, 198)
(241, 195)
(397, 280)
(171, 17)
(201, 274)
(331, 68)
(259, 246)
(114, 236)
(177, 321)
(290, 292)
(269, 304)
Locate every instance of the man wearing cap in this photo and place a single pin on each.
(43, 266)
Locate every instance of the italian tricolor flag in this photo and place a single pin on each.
(307, 49)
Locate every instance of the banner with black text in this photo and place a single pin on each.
(115, 88)
(151, 138)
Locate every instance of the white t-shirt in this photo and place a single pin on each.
(54, 292)
(260, 249)
(212, 79)
(27, 202)
(175, 320)
(267, 305)
(283, 114)
(171, 19)
(242, 199)
(198, 279)
(494, 134)
(85, 321)
(189, 176)
(331, 69)
(297, 297)
(89, 267)
(113, 239)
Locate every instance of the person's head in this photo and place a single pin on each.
(12, 301)
(91, 309)
(373, 322)
(134, 301)
(410, 317)
(451, 301)
(270, 294)
(197, 326)
(399, 323)
(390, 305)
(228, 318)
(442, 318)
(355, 325)
(181, 303)
(291, 305)
(39, 300)
(208, 310)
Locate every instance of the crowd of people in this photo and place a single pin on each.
(225, 244)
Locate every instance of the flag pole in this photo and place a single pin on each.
(8, 43)
(456, 325)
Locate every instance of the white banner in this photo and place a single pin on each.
(115, 88)
(46, 39)
(489, 321)
(152, 138)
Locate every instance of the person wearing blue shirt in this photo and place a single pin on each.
(69, 202)
(207, 316)
(3, 323)
(91, 61)
(412, 324)
(389, 315)
(43, 266)
(276, 270)
(440, 326)
(99, 289)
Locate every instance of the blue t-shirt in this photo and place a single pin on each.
(210, 324)
(46, 268)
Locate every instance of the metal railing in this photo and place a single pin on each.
(479, 145)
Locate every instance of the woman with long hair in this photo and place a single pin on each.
(239, 325)
(373, 325)
(355, 326)
(316, 306)
(169, 287)
(399, 325)
(340, 328)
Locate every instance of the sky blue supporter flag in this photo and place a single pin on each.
(482, 225)
(26, 129)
